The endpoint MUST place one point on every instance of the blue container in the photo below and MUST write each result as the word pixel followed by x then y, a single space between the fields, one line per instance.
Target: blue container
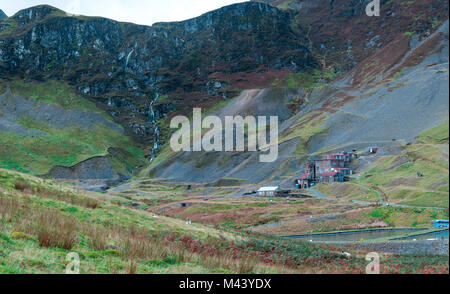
pixel 441 223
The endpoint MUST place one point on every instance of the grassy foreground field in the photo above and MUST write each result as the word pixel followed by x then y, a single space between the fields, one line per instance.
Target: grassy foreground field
pixel 42 221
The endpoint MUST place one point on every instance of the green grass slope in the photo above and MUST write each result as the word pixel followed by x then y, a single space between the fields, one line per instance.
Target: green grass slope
pixel 419 175
pixel 67 146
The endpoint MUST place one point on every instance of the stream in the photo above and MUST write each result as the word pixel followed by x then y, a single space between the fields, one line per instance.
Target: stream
pixel 152 119
pixel 151 114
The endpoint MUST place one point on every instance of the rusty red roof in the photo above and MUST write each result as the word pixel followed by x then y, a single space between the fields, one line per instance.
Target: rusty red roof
pixel 304 176
pixel 329 174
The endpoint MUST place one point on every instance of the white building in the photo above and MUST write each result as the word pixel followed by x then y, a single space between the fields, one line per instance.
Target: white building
pixel 268 191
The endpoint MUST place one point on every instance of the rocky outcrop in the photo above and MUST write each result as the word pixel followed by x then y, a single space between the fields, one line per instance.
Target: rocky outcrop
pixel 93 168
pixel 95 173
pixel 2 15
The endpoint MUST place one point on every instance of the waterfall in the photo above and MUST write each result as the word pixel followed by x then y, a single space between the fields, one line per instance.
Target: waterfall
pixel 128 58
pixel 151 118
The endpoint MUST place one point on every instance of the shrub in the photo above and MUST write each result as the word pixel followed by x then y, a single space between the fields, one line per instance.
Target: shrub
pixel 22 186
pixel 97 237
pixel 55 230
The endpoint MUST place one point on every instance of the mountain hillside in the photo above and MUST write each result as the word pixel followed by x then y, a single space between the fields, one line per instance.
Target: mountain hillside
pixel 386 105
pixel 342 35
pixel 126 67
pixel 46 127
pixel 2 15
pixel 337 79
pixel 86 166
pixel 138 75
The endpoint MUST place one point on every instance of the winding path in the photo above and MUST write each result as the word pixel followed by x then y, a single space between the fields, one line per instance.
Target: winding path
pixel 317 194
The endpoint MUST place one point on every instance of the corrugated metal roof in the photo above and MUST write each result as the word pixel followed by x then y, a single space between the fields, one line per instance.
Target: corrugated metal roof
pixel 268 189
pixel 328 174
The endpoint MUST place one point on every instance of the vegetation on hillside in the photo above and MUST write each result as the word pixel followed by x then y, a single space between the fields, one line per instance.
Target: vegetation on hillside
pixel 419 174
pixel 306 127
pixel 66 146
pixel 112 238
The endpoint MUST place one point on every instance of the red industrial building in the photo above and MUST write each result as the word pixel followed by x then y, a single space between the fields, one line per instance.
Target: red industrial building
pixel 331 168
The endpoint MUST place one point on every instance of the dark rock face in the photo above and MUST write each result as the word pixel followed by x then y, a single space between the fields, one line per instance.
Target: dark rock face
pixel 2 15
pixel 123 65
pixel 93 168
pixel 99 172
pixel 342 33
pixel 96 173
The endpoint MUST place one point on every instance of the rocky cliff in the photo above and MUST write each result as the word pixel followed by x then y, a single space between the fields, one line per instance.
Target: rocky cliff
pixel 126 67
pixel 341 34
pixel 2 15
